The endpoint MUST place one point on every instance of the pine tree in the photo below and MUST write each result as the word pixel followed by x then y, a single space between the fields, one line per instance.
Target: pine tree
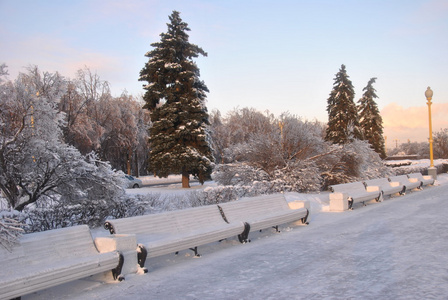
pixel 343 120
pixel 179 139
pixel 371 122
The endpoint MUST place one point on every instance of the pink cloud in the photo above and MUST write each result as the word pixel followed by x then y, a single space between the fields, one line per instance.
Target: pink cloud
pixel 411 123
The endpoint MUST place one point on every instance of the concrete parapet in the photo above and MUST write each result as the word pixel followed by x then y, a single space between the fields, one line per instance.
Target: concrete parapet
pixel 338 202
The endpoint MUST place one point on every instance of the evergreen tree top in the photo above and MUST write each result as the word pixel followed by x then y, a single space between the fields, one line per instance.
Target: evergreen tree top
pixel 177 36
pixel 367 104
pixel 170 71
pixel 342 80
pixel 343 120
pixel 370 90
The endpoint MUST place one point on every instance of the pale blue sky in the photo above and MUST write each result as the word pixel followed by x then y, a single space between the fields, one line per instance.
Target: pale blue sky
pixel 271 55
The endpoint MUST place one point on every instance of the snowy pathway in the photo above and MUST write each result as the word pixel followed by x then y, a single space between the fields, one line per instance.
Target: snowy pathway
pixel 392 250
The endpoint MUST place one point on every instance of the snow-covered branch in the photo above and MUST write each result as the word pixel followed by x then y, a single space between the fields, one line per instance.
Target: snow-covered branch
pixel 10 232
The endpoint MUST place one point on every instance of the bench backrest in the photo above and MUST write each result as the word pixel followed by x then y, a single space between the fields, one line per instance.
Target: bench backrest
pixel 154 223
pixel 403 179
pixel 47 245
pixel 353 186
pixel 171 222
pixel 254 207
pixel 197 218
pixel 378 182
pixel 417 175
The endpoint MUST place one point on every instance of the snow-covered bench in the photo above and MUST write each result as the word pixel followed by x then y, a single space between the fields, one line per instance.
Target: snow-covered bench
pixel 388 188
pixel 357 192
pixel 49 258
pixel 262 212
pixel 409 183
pixel 173 231
pixel 425 179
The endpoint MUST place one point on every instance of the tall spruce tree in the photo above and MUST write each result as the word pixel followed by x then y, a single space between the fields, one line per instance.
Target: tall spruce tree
pixel 343 120
pixel 179 139
pixel 370 119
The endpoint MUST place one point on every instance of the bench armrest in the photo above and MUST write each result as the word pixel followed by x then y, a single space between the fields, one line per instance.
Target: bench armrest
pixel 373 188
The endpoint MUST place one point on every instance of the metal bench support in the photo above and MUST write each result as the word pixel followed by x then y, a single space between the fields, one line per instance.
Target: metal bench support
pixel 116 273
pixel 244 236
pixel 141 257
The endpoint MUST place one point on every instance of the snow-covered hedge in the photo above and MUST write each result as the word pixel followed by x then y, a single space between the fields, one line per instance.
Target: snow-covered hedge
pixel 421 166
pixel 91 213
pixel 243 179
pixel 339 164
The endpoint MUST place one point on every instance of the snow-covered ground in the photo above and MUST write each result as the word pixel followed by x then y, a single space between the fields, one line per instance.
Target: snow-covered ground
pixel 396 249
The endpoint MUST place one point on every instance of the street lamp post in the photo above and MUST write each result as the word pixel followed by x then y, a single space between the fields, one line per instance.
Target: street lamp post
pixel 432 170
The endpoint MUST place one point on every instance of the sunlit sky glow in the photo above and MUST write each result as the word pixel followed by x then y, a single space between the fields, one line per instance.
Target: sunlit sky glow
pixel 271 55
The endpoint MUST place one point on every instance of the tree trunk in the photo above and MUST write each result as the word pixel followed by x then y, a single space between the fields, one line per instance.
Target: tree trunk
pixel 129 160
pixel 137 168
pixel 185 180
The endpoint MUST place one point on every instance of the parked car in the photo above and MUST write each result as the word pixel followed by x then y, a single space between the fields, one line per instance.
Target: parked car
pixel 133 182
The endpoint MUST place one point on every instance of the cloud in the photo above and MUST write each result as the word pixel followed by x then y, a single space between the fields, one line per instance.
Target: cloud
pixel 56 54
pixel 403 124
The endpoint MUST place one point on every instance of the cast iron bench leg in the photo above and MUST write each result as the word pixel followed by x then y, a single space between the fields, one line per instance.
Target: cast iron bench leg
pixel 116 273
pixel 141 257
pixel 244 236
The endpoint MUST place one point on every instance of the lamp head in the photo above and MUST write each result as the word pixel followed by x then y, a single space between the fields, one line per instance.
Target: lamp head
pixel 428 93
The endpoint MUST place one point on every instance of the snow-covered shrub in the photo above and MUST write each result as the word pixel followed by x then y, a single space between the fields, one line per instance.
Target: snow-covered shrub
pixel 351 162
pixel 261 151
pixel 92 192
pixel 334 165
pixel 441 143
pixel 299 176
pixel 370 164
pixel 135 205
pixel 213 195
pixel 238 174
pixel 10 229
pixel 338 166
